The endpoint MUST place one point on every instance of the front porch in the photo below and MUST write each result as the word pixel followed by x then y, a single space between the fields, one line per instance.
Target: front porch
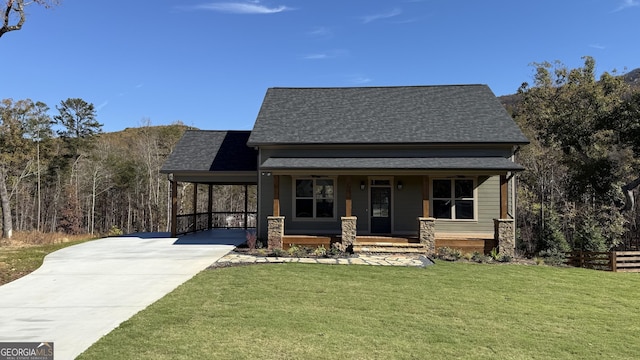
pixel 355 234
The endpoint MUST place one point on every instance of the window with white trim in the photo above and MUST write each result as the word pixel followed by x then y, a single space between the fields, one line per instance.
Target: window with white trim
pixel 453 199
pixel 314 198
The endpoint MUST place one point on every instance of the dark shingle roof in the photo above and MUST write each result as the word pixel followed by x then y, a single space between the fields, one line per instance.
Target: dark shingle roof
pixel 384 115
pixel 200 150
pixel 432 163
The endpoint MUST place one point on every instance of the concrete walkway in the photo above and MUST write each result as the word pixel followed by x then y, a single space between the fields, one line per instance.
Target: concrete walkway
pixel 84 291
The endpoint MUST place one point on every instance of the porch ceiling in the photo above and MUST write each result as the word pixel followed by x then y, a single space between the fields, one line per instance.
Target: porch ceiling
pixel 422 163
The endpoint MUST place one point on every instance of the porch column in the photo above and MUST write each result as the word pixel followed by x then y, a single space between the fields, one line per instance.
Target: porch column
pixel 276 195
pixel 348 202
pixel 503 196
pixel 504 234
pixel 425 196
pixel 275 232
pixel 349 225
pixel 174 207
pixel 427 234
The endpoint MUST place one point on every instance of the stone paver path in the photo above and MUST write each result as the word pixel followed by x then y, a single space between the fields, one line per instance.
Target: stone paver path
pixel 361 259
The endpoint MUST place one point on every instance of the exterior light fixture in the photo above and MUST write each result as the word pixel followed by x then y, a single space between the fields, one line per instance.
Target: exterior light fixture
pixel 362 185
pixel 399 185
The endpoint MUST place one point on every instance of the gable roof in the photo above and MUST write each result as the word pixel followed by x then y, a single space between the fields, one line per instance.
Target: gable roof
pixel 384 115
pixel 203 150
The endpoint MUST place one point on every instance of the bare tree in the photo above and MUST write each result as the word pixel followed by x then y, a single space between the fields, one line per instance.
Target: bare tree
pixel 13 13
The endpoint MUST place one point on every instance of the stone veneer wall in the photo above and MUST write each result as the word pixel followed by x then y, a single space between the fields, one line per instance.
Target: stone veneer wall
pixel 427 234
pixel 348 232
pixel 275 225
pixel 504 235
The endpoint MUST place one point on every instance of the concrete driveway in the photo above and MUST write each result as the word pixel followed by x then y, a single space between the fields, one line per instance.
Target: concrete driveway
pixel 84 291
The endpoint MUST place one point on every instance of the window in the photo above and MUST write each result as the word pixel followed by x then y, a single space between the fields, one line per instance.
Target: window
pixel 314 198
pixel 453 199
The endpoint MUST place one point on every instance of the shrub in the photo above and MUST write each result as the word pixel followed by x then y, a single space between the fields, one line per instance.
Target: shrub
pixel 480 258
pixel 115 231
pixel 496 256
pixel 251 239
pixel 278 253
pixel 320 251
pixel 449 254
pixel 553 257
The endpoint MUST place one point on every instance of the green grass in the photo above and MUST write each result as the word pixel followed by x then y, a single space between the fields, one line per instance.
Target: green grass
pixel 451 310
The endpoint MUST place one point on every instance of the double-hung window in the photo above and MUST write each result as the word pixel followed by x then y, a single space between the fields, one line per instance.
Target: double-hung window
pixel 453 199
pixel 314 198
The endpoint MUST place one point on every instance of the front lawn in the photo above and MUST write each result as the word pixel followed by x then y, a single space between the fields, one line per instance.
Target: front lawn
pixel 450 310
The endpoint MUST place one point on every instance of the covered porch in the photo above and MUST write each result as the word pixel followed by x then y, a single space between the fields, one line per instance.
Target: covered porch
pixel 395 210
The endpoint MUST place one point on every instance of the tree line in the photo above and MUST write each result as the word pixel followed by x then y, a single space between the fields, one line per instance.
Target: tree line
pixel 582 164
pixel 62 173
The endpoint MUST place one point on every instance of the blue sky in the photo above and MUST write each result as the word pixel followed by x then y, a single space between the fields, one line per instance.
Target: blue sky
pixel 208 63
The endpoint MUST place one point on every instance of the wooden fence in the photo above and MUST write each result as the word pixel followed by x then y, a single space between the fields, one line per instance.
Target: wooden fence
pixel 616 261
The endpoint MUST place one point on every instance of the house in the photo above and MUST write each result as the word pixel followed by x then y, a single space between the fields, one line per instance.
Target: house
pixel 429 163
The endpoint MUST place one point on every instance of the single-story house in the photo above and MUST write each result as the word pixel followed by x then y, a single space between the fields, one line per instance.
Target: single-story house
pixel 370 165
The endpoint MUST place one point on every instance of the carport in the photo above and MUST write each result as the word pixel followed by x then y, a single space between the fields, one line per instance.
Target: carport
pixel 205 168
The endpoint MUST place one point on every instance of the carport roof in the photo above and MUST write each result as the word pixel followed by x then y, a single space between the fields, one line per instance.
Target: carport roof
pixel 221 152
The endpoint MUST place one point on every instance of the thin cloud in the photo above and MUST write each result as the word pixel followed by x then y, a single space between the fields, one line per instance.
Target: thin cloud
pixel 101 106
pixel 241 8
pixel 326 55
pixel 627 4
pixel 318 56
pixel 320 31
pixel 597 46
pixel 370 18
pixel 359 79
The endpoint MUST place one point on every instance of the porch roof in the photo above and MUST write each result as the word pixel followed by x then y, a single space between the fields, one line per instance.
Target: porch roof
pixel 420 163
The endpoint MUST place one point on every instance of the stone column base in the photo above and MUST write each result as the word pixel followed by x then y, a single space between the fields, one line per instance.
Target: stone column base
pixel 349 231
pixel 427 234
pixel 504 234
pixel 275 232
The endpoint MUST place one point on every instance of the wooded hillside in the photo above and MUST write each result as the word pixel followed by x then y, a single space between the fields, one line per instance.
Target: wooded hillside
pixel 80 180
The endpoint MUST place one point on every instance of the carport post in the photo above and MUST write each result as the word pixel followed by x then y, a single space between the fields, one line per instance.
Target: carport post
pixel 195 204
pixel 246 205
pixel 210 208
pixel 174 206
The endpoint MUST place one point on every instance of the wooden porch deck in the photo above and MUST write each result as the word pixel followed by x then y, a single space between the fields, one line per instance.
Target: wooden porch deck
pixel 467 243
